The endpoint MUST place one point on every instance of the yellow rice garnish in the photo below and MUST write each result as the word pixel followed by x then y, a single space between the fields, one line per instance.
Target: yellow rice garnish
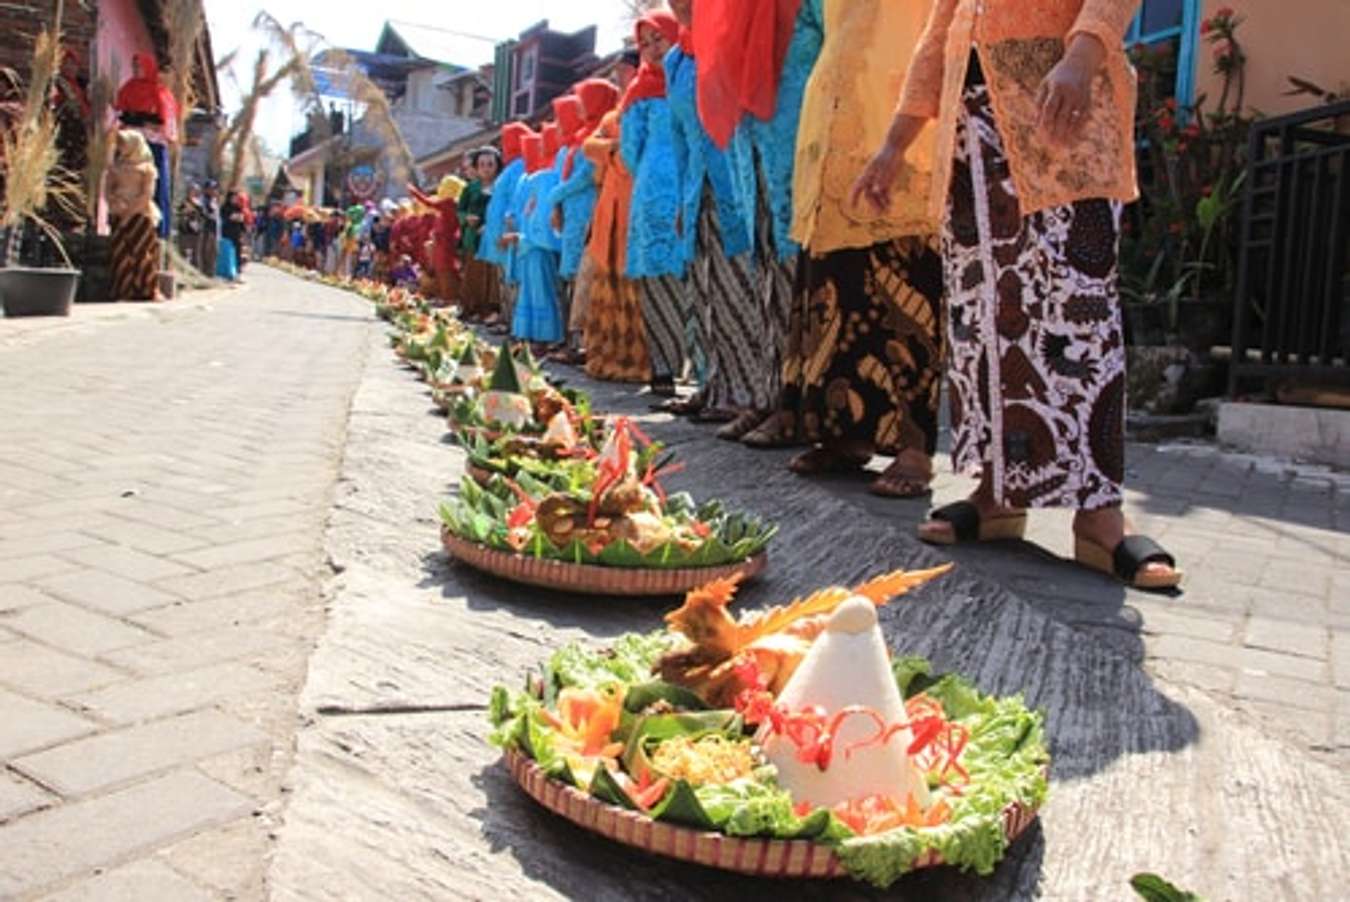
pixel 710 759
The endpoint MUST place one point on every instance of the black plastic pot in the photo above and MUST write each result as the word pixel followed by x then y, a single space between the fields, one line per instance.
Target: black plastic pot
pixel 26 291
pixel 1202 325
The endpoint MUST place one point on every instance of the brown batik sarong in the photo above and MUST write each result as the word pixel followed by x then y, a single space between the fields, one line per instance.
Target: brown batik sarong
pixel 863 361
pixel 615 337
pixel 478 289
pixel 134 249
pixel 1037 359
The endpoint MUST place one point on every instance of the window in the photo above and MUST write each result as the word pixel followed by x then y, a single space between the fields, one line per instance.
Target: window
pixel 525 73
pixel 1171 26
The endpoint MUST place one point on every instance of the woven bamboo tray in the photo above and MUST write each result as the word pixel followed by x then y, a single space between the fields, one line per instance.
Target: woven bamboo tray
pixel 590 579
pixel 756 857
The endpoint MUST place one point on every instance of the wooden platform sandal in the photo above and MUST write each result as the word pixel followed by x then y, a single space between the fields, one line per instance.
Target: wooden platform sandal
pixel 968 526
pixel 1127 561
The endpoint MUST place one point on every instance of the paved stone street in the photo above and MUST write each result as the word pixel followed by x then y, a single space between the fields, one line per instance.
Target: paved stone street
pixel 165 475
pixel 165 481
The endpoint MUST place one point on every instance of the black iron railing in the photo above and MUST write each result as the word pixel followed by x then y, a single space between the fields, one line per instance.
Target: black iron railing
pixel 1292 318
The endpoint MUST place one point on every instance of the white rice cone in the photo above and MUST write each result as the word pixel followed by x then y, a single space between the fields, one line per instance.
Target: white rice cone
pixel 848 665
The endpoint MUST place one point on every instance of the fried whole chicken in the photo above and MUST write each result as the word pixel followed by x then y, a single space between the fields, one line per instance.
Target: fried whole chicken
pixel 775 640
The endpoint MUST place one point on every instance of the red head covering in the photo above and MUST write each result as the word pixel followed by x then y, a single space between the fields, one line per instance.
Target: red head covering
pixel 532 148
pixel 567 110
pixel 512 132
pixel 650 80
pixel 552 136
pixel 597 97
pixel 146 95
pixel 740 46
pixel 686 41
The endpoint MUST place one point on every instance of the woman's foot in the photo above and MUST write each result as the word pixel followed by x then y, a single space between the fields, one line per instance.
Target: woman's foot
pixel 908 476
pixel 990 520
pixel 1102 541
pixel 824 459
pixel 737 428
pixel 708 414
pixel 777 430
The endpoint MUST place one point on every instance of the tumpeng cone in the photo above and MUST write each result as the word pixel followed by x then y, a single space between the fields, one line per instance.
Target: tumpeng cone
pixel 848 665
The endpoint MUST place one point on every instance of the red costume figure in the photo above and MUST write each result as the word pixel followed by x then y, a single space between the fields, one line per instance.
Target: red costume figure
pixel 552 136
pixel 402 234
pixel 597 98
pixel 444 233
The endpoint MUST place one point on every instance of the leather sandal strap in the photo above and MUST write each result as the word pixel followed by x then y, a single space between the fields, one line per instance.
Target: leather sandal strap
pixel 1134 552
pixel 964 517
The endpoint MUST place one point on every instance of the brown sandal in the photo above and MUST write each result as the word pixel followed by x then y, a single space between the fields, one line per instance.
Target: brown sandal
pixel 897 481
pixel 821 460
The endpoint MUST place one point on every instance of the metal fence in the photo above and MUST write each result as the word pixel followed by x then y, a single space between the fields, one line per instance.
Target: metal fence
pixel 1292 319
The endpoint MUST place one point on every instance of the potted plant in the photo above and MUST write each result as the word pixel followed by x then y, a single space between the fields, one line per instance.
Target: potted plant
pixel 35 183
pixel 1178 249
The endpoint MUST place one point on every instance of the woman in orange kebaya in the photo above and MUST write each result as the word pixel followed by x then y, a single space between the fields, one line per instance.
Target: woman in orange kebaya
pixel 1034 104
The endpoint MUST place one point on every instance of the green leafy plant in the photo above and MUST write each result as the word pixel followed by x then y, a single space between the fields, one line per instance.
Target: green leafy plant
pixel 1153 888
pixel 1180 243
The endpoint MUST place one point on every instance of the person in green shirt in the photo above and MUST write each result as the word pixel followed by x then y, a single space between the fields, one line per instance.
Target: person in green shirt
pixel 479 295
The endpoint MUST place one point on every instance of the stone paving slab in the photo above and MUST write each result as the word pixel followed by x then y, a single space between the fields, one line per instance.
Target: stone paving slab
pixel 154 620
pixel 135 882
pixel 1149 774
pixel 19 796
pixel 79 837
pixel 31 725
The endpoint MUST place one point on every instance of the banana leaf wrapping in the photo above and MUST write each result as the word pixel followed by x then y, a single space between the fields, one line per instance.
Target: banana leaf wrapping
pixel 480 512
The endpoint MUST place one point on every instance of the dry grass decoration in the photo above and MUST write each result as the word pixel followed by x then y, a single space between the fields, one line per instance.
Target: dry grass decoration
pixel 35 179
pixel 236 140
pixel 184 21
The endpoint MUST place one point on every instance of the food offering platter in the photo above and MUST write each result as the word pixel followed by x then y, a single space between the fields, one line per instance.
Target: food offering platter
pixel 788 742
pixel 590 579
pixel 801 858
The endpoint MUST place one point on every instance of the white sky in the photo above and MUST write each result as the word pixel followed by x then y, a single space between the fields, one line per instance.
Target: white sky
pixel 357 24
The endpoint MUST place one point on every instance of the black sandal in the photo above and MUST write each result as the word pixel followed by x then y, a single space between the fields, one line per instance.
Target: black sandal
pixel 1126 562
pixel 968 526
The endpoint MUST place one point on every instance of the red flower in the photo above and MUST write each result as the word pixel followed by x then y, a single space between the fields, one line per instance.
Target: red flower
pixel 1224 13
pixel 1206 191
pixel 1206 26
pixel 1170 103
pixel 1191 131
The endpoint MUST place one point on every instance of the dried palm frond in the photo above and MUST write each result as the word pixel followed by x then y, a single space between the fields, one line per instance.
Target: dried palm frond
pixel 184 21
pixel 295 44
pixel 102 90
pixel 35 180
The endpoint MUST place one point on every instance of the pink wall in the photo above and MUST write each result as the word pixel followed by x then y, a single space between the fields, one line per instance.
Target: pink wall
pixel 121 32
pixel 1306 39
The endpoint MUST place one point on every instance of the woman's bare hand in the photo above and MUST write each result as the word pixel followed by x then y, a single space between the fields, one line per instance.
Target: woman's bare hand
pixel 1065 95
pixel 878 178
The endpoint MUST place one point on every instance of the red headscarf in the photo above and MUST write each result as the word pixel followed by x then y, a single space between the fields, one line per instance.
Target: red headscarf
pixel 552 136
pixel 597 97
pixel 740 46
pixel 532 148
pixel 512 132
pixel 650 80
pixel 567 112
pixel 146 95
